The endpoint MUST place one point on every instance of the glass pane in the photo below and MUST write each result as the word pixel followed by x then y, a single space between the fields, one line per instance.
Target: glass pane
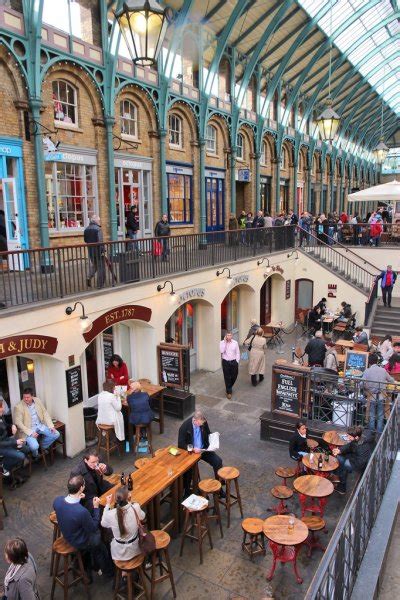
pixel 10 209
pixel 190 324
pixel 179 325
pixel 26 374
pixel 234 309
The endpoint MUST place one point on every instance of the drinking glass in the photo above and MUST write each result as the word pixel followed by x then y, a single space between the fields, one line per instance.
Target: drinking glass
pixel 190 448
pixel 291 522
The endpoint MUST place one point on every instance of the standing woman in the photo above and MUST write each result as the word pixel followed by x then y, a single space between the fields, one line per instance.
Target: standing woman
pixel 257 344
pixel 20 579
pixel 123 520
pixel 117 371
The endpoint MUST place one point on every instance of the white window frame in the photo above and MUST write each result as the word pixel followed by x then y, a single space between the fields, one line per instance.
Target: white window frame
pixel 264 152
pixel 129 108
pixel 239 146
pixel 175 129
pixel 211 139
pixel 283 160
pixel 74 103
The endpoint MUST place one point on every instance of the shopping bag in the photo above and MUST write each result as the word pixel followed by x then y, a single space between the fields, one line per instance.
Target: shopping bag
pixel 244 355
pixel 157 248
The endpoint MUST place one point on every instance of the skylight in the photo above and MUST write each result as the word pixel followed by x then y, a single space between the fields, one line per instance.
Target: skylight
pixel 383 27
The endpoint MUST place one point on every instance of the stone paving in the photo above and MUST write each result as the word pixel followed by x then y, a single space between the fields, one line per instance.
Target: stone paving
pixel 226 572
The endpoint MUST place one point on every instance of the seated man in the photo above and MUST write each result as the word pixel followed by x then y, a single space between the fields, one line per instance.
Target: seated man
pixel 314 319
pixel 355 455
pixel 80 528
pixel 92 471
pixel 33 423
pixel 322 306
pixel 13 450
pixel 345 312
pixel 195 431
pixel 360 336
pixel 316 350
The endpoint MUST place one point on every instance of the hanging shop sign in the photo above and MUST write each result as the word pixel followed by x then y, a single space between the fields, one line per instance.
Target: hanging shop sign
pixel 240 279
pixel 332 290
pixel 174 365
pixel 116 315
pixel 27 344
pixel 190 294
pixel 288 288
pixel 243 175
pixel 179 170
pixel 215 174
pixel 74 386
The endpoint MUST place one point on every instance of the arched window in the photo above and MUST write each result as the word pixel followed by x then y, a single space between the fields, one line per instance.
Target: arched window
pixel 283 159
pixel 239 146
pixel 211 139
pixel 128 118
pixel 263 157
pixel 65 102
pixel 175 131
pixel 314 166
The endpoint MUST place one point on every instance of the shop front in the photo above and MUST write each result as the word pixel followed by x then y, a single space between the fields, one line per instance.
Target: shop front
pixel 133 189
pixel 266 194
pixel 13 218
pixel 215 199
pixel 182 328
pixel 180 194
pixel 265 302
pixel 284 196
pixel 71 189
pixel 243 191
pixel 230 314
pixel 300 197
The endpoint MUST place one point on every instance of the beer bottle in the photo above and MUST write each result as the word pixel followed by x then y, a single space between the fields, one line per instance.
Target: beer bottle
pixel 130 482
pixel 123 479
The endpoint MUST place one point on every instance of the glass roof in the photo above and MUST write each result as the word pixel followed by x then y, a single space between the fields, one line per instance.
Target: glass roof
pixel 371 43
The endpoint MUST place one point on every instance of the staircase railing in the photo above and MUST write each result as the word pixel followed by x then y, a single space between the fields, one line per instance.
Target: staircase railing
pixel 332 242
pixel 337 261
pixel 369 304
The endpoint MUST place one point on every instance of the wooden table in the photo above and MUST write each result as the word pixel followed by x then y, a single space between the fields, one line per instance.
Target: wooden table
pixel 326 468
pixel 314 487
pixel 334 440
pixel 151 480
pixel 285 543
pixel 345 344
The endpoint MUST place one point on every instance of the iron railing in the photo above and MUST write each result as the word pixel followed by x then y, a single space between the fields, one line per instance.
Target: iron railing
pixel 369 304
pixel 31 276
pixel 362 234
pixel 337 571
pixel 338 262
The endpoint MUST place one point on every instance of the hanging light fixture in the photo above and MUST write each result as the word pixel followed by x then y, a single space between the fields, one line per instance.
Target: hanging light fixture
pixel 380 152
pixel 328 122
pixel 84 322
pixel 143 24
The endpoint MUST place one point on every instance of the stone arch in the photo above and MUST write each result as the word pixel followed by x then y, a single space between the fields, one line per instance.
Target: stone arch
pixel 12 89
pixel 82 72
pixel 187 114
pixel 248 136
pixel 146 117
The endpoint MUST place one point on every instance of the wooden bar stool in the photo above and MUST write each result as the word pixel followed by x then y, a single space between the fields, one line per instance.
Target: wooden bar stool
pixel 107 440
pixel 286 473
pixel 138 432
pixel 208 487
pixel 62 549
pixel 141 462
pixel 130 566
pixel 196 520
pixel 253 527
pixel 314 523
pixel 229 474
pixel 56 535
pixel 162 542
pixel 281 492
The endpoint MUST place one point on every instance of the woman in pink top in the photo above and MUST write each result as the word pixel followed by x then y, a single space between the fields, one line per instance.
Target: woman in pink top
pixel 393 365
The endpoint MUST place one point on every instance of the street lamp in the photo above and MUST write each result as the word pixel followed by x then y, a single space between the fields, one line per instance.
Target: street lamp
pixel 380 152
pixel 84 321
pixel 328 122
pixel 143 24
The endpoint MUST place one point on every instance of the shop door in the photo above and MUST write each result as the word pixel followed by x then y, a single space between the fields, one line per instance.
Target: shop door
pixel 265 303
pixel 133 189
pixel 8 203
pixel 230 315
pixel 304 296
pixel 181 327
pixel 215 204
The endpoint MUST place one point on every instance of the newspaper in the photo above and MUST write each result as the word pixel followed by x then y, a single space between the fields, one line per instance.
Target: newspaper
pixel 194 502
pixel 213 442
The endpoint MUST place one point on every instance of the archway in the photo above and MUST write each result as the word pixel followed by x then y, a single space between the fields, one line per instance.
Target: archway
pixel 304 296
pixel 237 311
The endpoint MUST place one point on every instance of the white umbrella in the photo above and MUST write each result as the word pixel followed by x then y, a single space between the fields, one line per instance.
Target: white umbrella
pixel 387 192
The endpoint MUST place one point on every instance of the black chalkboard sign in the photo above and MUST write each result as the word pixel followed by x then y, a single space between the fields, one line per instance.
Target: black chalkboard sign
pixel 174 365
pixel 74 386
pixel 108 349
pixel 170 366
pixel 287 390
pixel 355 363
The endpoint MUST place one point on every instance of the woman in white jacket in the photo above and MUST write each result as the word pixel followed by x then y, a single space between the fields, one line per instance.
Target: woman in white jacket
pixel 109 410
pixel 123 520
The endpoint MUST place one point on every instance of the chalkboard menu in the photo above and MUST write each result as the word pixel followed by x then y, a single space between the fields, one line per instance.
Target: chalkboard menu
pixel 174 365
pixel 74 386
pixel 287 390
pixel 355 363
pixel 108 349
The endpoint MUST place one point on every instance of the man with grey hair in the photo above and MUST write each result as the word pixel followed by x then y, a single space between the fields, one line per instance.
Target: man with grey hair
pixel 196 432
pixel 94 235
pixel 316 350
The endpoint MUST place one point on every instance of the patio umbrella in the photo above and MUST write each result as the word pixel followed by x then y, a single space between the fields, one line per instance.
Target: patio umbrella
pixel 387 192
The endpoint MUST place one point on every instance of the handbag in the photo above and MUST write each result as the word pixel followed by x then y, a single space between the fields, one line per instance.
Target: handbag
pixel 147 541
pixel 244 355
pixel 251 342
pixel 157 248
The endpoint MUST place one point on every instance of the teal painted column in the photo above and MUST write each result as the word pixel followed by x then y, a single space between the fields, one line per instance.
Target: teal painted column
pixel 202 164
pixel 163 172
pixel 233 181
pixel 331 205
pixel 257 157
pixel 35 106
pixel 109 123
pixel 295 206
pixel 307 198
pixel 277 185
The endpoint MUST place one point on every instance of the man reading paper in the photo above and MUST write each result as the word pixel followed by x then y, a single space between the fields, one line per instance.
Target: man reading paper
pixel 196 432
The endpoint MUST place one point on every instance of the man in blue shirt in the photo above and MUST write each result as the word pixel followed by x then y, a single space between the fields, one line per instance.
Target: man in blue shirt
pixel 81 529
pixel 196 432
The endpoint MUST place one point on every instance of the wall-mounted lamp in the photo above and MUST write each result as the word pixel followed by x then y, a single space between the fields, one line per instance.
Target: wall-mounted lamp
pixel 229 276
pixel 291 254
pixel 161 287
pixel 85 323
pixel 30 366
pixel 260 262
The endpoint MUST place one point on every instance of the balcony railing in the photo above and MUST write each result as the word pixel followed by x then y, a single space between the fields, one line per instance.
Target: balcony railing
pixel 364 234
pixel 32 276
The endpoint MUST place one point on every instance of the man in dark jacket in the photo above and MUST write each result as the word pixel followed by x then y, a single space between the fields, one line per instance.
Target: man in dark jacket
pixel 13 451
pixel 316 350
pixel 345 313
pixel 163 230
pixel 132 223
pixel 388 279
pixel 355 455
pixel 80 528
pixel 92 471
pixel 196 432
pixel 94 235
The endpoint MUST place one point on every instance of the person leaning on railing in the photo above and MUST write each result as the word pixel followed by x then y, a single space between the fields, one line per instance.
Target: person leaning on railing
pixel 374 380
pixel 355 455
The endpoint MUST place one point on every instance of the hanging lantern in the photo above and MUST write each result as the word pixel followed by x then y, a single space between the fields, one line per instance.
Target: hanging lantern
pixel 380 152
pixel 143 24
pixel 328 123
